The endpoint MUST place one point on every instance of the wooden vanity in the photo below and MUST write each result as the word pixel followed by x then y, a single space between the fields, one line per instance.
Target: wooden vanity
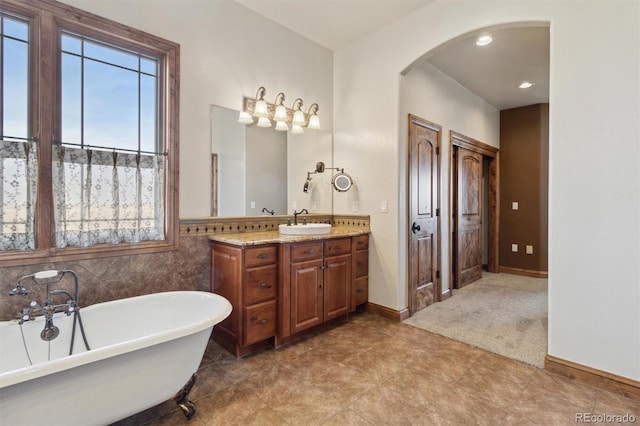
pixel 283 287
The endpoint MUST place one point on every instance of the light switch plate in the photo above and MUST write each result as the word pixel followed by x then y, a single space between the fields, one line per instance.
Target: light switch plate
pixel 514 205
pixel 514 248
pixel 529 249
pixel 384 207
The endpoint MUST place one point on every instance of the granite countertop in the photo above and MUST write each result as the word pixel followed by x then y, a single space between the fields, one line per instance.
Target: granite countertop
pixel 270 237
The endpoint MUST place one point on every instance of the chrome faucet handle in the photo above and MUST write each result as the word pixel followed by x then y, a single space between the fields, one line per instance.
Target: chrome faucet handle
pixel 19 290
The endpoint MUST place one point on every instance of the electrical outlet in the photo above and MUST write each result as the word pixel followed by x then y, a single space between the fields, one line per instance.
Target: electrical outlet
pixel 253 204
pixel 529 249
pixel 514 248
pixel 514 205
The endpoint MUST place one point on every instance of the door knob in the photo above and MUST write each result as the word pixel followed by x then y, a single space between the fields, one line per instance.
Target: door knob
pixel 415 227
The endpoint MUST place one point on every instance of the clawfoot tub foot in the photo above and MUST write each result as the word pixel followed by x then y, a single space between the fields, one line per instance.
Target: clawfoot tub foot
pixel 186 405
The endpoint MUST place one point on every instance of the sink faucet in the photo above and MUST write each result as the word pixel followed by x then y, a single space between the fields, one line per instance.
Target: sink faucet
pixel 295 215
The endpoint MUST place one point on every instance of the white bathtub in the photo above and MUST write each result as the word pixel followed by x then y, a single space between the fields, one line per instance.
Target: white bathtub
pixel 143 351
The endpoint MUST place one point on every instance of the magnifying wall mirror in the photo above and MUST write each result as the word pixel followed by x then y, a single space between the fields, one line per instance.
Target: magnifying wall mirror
pixel 342 182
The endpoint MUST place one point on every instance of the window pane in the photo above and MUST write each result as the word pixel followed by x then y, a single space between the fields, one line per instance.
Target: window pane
pixel 16 29
pixel 15 87
pixel 148 114
pixel 110 55
pixel 71 99
pixel 149 66
pixel 111 106
pixel 71 44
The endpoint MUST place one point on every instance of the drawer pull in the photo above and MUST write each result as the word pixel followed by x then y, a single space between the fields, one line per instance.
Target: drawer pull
pixel 263 256
pixel 264 285
pixel 262 321
pixel 310 251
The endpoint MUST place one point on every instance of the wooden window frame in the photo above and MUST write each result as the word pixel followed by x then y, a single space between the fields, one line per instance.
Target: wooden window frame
pixel 47 19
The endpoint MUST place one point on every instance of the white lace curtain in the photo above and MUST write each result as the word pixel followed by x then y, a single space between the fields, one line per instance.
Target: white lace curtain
pixel 106 197
pixel 18 181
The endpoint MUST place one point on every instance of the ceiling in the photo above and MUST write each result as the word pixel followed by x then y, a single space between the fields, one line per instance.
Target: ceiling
pixel 491 72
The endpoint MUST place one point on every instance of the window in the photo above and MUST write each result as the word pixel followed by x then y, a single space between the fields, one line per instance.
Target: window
pixel 18 160
pixel 101 180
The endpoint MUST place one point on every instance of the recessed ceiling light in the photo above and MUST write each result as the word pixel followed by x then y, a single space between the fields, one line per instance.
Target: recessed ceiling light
pixel 525 85
pixel 484 40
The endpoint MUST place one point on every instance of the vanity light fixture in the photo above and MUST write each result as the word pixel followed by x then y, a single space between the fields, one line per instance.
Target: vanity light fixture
pixel 283 116
pixel 484 40
pixel 525 85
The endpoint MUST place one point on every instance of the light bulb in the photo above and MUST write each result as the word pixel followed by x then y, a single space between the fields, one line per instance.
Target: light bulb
pixel 261 109
pixel 264 122
pixel 314 122
pixel 245 118
pixel 282 126
pixel 280 114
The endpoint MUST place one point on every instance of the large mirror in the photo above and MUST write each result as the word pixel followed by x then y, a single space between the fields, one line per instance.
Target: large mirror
pixel 259 171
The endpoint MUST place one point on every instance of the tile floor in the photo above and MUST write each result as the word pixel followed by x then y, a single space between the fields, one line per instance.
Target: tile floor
pixel 372 371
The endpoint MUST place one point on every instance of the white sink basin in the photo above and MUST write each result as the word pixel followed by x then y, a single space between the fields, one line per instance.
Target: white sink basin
pixel 308 229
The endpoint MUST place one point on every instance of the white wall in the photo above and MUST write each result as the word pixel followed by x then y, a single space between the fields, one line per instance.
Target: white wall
pixel 428 93
pixel 594 199
pixel 226 52
pixel 304 151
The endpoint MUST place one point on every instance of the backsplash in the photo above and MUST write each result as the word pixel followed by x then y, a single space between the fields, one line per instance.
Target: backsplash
pixel 118 277
pixel 230 225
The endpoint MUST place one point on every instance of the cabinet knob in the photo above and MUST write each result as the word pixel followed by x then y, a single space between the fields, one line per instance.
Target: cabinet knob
pixel 263 321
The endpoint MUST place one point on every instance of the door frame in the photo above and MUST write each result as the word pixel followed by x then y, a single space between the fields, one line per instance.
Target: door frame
pixel 438 279
pixel 493 209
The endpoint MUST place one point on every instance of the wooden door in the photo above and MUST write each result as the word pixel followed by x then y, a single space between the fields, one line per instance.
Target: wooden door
pixel 468 217
pixel 424 147
pixel 306 294
pixel 337 274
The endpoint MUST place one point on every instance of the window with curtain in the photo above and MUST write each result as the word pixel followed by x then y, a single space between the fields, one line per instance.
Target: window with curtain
pixel 108 168
pixel 88 125
pixel 18 152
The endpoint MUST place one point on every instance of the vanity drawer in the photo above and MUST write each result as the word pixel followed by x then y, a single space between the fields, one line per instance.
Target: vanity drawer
pixel 260 322
pixel 305 251
pixel 336 247
pixel 362 263
pixel 260 284
pixel 362 290
pixel 260 255
pixel 361 242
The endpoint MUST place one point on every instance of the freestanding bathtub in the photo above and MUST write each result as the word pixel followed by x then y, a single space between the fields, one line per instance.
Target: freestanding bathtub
pixel 143 351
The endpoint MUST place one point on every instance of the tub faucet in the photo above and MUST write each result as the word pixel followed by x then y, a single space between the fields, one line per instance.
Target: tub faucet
pixel 295 215
pixel 50 308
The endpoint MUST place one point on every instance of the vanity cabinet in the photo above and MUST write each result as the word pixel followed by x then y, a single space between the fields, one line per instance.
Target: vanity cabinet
pixel 248 278
pixel 316 284
pixel 282 290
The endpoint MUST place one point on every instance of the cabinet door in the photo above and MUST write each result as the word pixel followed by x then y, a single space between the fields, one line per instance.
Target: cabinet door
pixel 337 276
pixel 306 294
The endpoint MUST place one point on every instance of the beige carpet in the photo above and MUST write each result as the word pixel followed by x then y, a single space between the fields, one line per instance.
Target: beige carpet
pixel 501 313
